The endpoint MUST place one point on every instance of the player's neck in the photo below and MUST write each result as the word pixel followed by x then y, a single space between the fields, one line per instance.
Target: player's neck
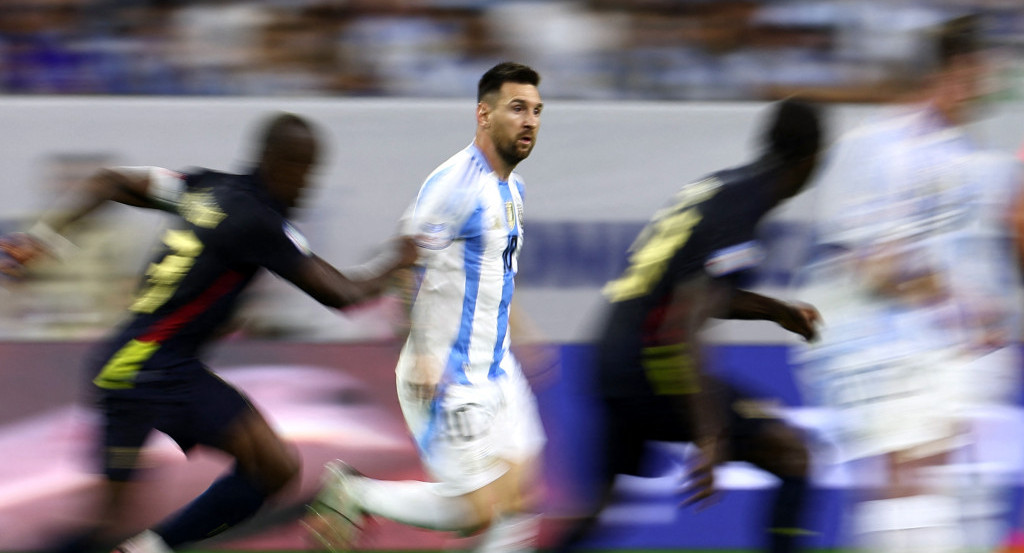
pixel 490 153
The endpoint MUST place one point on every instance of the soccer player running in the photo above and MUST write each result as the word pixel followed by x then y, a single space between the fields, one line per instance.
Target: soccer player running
pixel 686 267
pixel 919 272
pixel 149 375
pixel 464 396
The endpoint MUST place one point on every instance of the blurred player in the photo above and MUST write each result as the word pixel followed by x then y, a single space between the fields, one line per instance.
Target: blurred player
pixel 149 375
pixel 686 267
pixel 918 278
pixel 464 396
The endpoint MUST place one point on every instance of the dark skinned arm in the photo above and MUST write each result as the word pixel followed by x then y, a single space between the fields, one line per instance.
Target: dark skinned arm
pixel 798 318
pixel 329 286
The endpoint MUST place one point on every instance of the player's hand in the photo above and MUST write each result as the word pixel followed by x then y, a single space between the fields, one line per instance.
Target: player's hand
pixel 422 381
pixel 698 488
pixel 17 251
pixel 539 361
pixel 800 318
pixel 407 252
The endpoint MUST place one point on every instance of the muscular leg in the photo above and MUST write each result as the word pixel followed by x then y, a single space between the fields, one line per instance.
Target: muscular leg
pixel 469 495
pixel 780 449
pixel 512 503
pixel 263 466
pixel 424 505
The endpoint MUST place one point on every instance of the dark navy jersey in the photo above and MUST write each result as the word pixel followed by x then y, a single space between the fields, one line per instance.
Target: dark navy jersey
pixel 707 228
pixel 228 228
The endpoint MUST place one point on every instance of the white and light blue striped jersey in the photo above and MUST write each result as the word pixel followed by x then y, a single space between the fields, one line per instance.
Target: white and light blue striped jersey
pixel 470 229
pixel 896 186
pixel 982 252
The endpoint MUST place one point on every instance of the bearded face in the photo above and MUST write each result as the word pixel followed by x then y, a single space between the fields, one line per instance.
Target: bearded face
pixel 513 121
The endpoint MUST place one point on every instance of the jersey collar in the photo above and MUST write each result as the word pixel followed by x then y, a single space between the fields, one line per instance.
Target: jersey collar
pixel 260 188
pixel 479 157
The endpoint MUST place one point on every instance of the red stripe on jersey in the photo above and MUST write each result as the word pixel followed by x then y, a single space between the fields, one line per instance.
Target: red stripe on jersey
pixel 166 327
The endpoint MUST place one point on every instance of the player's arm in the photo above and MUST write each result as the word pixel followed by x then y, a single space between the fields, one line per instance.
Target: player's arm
pixel 537 357
pixel 150 187
pixel 132 186
pixel 693 302
pixel 329 286
pixel 799 318
pixel 435 220
pixel 901 270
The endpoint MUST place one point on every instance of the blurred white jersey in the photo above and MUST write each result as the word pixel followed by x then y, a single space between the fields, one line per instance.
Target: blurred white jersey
pixel 470 226
pixel 919 196
pixel 898 187
pixel 981 253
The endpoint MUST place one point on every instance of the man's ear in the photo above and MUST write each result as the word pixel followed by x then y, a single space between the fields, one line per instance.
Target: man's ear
pixel 483 114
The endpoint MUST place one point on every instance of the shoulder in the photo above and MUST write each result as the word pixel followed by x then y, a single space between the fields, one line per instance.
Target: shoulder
pixel 463 167
pixel 703 190
pixel 880 131
pixel 232 199
pixel 226 187
pixel 458 178
pixel 237 193
pixel 208 178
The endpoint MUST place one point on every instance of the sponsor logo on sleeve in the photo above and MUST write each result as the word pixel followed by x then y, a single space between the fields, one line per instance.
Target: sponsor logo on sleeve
pixel 434 236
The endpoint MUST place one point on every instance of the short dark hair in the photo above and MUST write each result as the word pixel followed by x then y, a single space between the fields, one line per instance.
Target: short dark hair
pixel 505 72
pixel 276 126
pixel 794 129
pixel 957 37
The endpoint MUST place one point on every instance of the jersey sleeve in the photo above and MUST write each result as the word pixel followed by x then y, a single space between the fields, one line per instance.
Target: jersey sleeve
pixel 165 185
pixel 439 214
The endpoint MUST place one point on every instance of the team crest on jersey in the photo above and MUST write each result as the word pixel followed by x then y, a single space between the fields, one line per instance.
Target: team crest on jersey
pixel 510 214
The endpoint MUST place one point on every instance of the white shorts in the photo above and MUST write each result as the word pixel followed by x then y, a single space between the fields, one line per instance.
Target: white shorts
pixel 471 435
pixel 910 404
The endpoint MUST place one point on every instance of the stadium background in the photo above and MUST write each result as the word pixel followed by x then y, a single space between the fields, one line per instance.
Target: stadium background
pixel 326 379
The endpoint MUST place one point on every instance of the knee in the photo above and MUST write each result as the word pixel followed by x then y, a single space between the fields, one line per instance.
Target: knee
pixel 281 471
pixel 797 461
pixel 261 455
pixel 782 452
pixel 271 470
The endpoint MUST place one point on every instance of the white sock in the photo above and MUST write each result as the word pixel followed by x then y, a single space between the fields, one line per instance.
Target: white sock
pixel 146 542
pixel 937 527
pixel 415 503
pixel 876 526
pixel 917 524
pixel 511 533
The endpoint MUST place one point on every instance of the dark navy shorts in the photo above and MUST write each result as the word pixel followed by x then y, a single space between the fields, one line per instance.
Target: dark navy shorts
pixel 194 409
pixel 631 421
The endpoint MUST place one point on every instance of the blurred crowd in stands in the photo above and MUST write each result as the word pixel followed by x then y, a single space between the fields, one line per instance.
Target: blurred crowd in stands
pixel 592 49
